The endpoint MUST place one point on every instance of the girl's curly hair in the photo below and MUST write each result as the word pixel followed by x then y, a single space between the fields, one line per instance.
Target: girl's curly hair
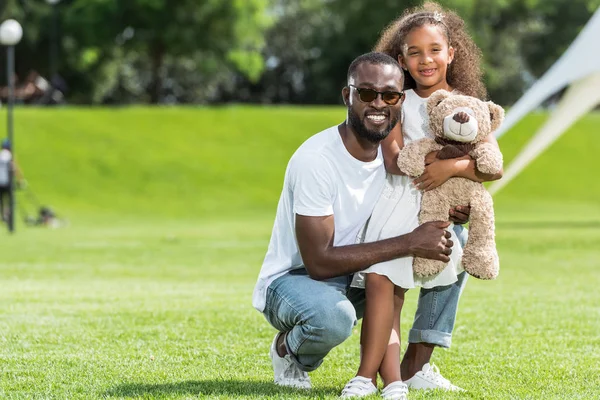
pixel 464 73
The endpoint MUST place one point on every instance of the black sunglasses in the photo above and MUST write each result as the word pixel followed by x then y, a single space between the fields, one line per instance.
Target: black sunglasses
pixel 369 95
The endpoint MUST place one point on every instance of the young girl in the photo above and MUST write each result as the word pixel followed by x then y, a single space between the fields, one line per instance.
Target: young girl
pixel 435 52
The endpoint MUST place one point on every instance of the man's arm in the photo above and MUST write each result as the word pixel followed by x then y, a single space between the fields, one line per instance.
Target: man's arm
pixel 323 260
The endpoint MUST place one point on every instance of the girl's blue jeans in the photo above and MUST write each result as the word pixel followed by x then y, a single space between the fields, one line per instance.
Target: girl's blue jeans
pixel 320 315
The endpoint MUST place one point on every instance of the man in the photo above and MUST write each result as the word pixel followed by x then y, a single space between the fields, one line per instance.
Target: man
pixel 5 178
pixel 331 185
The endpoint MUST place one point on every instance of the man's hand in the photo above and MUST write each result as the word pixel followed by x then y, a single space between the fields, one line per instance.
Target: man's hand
pixel 432 240
pixel 460 214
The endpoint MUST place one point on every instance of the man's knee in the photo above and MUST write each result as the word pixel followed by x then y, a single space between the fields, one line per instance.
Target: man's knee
pixel 337 322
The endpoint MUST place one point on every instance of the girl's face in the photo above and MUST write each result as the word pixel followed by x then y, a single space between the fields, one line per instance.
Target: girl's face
pixel 426 56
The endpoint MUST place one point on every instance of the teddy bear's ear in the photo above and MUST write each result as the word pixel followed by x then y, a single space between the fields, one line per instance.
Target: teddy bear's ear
pixel 496 115
pixel 436 98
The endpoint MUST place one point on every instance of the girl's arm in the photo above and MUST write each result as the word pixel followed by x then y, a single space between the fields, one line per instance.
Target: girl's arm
pixel 440 171
pixel 390 147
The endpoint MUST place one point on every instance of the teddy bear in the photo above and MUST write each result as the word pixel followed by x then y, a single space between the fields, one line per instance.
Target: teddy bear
pixel 459 124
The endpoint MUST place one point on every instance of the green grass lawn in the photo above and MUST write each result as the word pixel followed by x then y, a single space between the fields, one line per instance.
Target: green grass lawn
pixel 147 292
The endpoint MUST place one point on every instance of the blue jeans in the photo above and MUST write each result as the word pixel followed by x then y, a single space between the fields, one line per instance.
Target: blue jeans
pixel 436 310
pixel 319 315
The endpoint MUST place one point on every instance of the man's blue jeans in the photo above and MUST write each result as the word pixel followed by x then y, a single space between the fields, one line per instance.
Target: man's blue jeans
pixel 320 315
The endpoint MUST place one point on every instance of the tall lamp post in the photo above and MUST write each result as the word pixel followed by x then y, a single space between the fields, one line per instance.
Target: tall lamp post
pixel 11 34
pixel 53 39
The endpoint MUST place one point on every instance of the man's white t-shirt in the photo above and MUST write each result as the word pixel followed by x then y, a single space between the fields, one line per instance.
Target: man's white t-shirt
pixel 322 178
pixel 5 157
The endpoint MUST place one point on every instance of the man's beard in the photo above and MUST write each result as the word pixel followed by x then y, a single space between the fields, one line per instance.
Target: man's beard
pixel 362 131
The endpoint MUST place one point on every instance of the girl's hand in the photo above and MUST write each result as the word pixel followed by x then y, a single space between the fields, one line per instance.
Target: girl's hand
pixel 435 174
pixel 431 157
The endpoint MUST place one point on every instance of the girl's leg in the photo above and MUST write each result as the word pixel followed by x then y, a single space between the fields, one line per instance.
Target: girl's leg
pixel 390 366
pixel 377 324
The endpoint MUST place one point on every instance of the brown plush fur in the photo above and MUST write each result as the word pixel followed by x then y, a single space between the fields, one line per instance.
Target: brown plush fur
pixel 480 257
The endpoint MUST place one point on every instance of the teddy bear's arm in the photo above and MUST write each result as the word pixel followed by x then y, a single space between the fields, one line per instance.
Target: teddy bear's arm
pixel 411 159
pixel 488 158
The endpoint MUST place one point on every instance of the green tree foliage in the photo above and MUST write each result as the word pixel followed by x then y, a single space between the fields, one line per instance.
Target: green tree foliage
pixel 288 53
pixel 154 42
pixel 354 28
pixel 268 51
pixel 144 50
pixel 33 50
pixel 519 39
pixel 311 45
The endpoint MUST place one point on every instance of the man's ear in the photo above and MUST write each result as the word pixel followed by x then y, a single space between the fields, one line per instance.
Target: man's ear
pixel 346 95
pixel 496 115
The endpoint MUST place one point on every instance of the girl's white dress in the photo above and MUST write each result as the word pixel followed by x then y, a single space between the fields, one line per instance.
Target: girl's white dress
pixel 396 213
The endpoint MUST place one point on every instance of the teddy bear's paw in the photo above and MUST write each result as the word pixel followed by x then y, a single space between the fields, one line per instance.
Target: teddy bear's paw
pixel 410 167
pixel 481 263
pixel 488 159
pixel 424 267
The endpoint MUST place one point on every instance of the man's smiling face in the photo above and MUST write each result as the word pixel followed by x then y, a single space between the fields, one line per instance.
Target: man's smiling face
pixel 374 120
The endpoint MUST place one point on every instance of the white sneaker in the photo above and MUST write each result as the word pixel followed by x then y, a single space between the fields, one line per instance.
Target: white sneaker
pixel 287 373
pixel 430 378
pixel 395 391
pixel 359 386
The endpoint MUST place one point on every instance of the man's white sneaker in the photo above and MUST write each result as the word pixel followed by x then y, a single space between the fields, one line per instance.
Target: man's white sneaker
pixel 287 373
pixel 359 386
pixel 430 378
pixel 395 391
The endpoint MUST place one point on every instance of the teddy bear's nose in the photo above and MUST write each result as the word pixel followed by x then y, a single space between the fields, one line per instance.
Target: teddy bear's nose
pixel 461 117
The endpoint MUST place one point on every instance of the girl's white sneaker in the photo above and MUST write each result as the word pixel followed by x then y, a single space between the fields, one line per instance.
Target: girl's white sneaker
pixel 430 378
pixel 359 386
pixel 395 391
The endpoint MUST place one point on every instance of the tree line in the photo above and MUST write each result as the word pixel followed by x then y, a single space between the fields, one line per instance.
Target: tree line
pixel 262 51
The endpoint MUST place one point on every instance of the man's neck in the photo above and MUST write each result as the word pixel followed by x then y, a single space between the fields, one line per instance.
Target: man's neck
pixel 359 148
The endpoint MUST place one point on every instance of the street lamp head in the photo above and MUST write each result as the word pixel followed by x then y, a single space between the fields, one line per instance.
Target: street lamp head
pixel 10 32
pixel 52 2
